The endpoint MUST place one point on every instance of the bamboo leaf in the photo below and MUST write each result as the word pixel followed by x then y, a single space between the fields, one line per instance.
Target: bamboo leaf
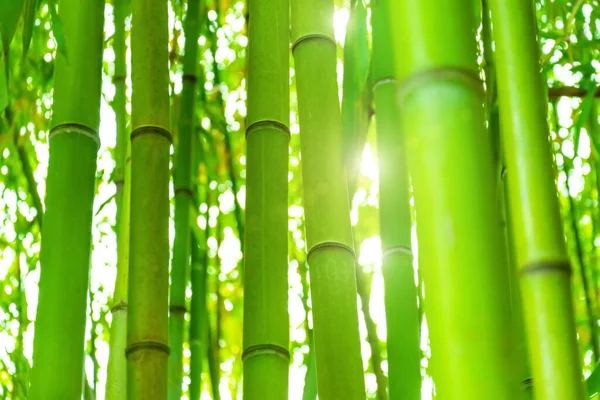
pixel 28 20
pixel 586 108
pixel 9 19
pixel 58 29
pixel 3 86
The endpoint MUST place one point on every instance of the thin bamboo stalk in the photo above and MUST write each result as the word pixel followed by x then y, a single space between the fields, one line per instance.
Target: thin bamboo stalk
pixel 329 236
pixel 540 251
pixel 147 322
pixel 402 311
pixel 450 158
pixel 183 199
pixel 116 378
pixel 58 349
pixel 266 323
pixel 493 115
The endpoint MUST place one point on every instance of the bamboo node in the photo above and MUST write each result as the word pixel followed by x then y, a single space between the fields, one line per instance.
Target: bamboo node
pixel 265 349
pixel 563 266
pixel 118 78
pixel 266 124
pixel 177 308
pixel 120 306
pixel 184 190
pixel 446 74
pixel 192 78
pixel 147 345
pixel 395 250
pixel 329 244
pixel 384 81
pixel 74 128
pixel 313 36
pixel 151 130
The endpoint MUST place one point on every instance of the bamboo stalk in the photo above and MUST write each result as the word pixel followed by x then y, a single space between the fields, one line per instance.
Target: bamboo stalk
pixel 449 155
pixel 502 196
pixel 573 218
pixel 540 250
pixel 266 355
pixel 402 311
pixel 58 349
pixel 147 323
pixel 116 377
pixel 329 235
pixel 183 199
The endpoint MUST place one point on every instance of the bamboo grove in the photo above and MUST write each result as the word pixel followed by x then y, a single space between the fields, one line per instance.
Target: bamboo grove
pixel 285 199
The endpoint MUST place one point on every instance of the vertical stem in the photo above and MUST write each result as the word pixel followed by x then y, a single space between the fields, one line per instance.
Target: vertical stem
pixel 116 378
pixel 540 251
pixel 183 199
pixel 402 311
pixel 573 219
pixel 58 349
pixel 449 154
pixel 147 323
pixel 331 254
pixel 266 354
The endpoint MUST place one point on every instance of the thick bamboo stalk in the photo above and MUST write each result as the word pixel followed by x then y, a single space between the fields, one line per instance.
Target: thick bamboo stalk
pixel 461 249
pixel 183 199
pixel 540 250
pixel 330 247
pixel 58 350
pixel 266 323
pixel 147 322
pixel 402 311
pixel 116 378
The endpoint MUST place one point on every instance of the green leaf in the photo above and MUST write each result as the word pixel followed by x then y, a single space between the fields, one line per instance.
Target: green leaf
pixel 28 20
pixel 9 19
pixel 58 29
pixel 586 108
pixel 3 86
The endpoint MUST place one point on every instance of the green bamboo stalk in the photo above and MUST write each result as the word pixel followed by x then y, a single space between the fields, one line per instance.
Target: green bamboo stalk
pixel 329 235
pixel 573 218
pixel 198 321
pixel 183 199
pixel 266 355
pixel 58 349
pixel 461 249
pixel 147 320
pixel 116 376
pixel 402 311
pixel 540 250
pixel 502 195
pixel 310 380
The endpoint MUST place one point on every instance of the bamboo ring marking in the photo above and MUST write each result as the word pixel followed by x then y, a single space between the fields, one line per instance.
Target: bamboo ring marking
pixel 74 128
pixel 313 36
pixel 463 75
pixel 151 130
pixel 148 345
pixel 397 249
pixel 330 244
pixel 266 124
pixel 263 349
pixel 546 266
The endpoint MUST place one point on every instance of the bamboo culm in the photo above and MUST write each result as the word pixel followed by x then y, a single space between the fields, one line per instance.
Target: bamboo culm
pixel 331 254
pixel 66 238
pixel 147 323
pixel 183 199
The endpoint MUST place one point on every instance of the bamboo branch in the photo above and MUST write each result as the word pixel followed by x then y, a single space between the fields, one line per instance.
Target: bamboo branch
pixel 569 91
